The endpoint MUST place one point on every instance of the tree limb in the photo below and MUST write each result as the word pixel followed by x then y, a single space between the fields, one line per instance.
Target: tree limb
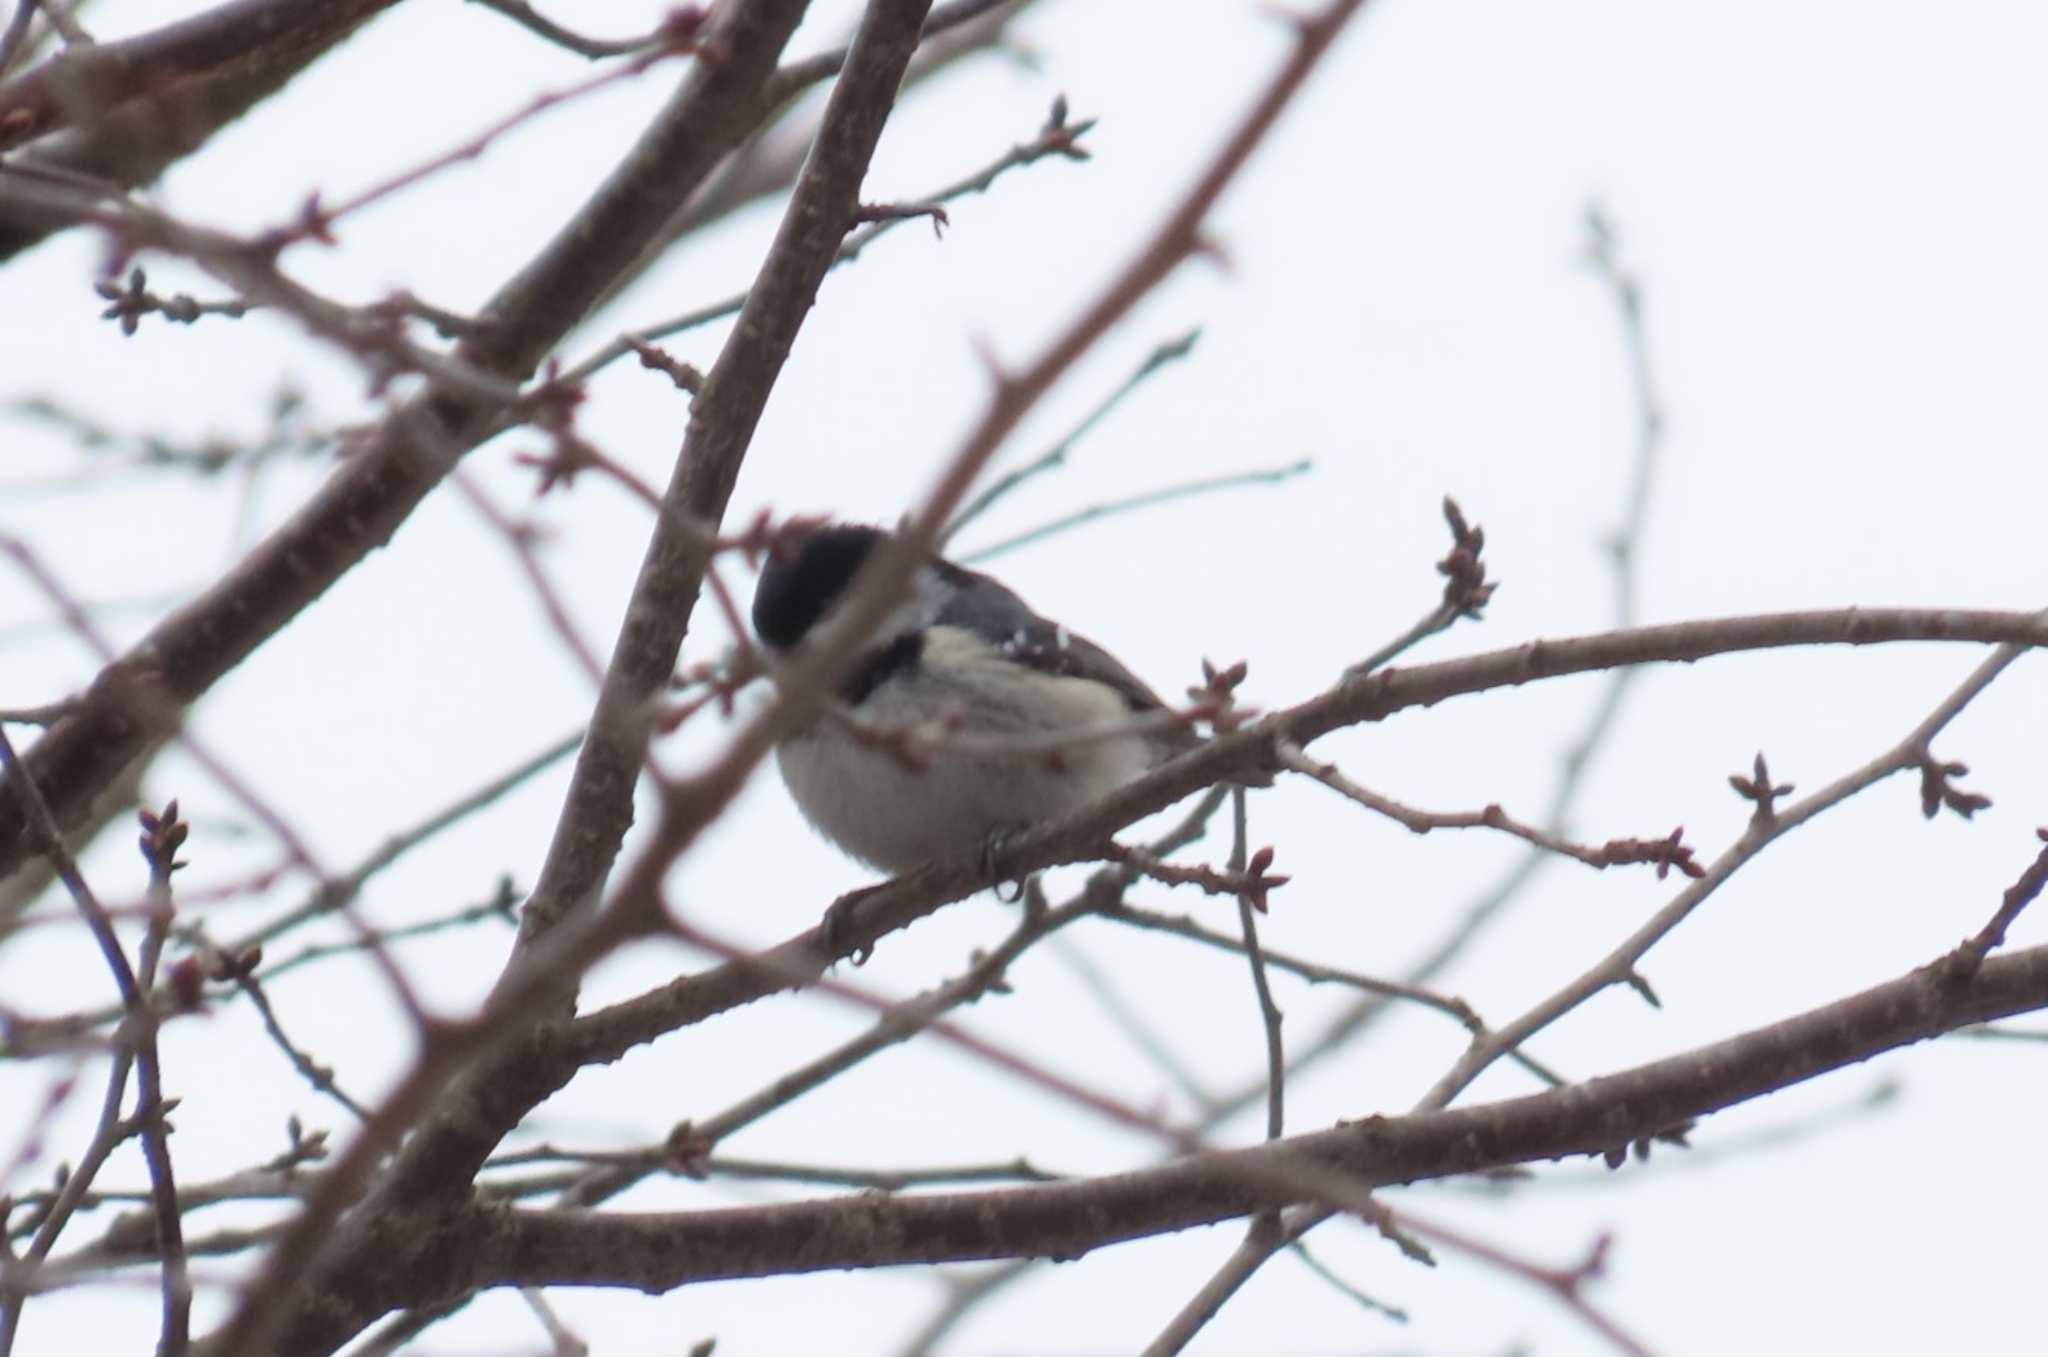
pixel 659 1251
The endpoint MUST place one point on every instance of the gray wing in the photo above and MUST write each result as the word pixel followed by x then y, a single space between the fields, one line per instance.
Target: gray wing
pixel 991 610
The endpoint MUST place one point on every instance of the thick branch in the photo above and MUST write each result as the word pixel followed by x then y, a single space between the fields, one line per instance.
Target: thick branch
pixel 83 84
pixel 1064 1220
pixel 198 75
pixel 337 1300
pixel 610 1032
pixel 722 422
pixel 141 695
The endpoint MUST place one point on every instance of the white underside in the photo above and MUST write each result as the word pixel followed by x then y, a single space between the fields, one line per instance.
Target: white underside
pixel 871 803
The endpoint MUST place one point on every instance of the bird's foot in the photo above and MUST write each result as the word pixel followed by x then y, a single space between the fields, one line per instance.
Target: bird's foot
pixel 836 928
pixel 1008 885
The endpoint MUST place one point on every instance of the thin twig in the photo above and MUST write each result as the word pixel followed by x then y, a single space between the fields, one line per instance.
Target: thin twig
pixel 316 221
pixel 109 1133
pixel 798 76
pixel 1466 592
pixel 531 19
pixel 1566 1285
pixel 278 1179
pixel 1990 1033
pixel 565 1343
pixel 897 1023
pixel 1057 138
pixel 1625 546
pixel 1126 1018
pixel 1618 967
pixel 1330 1275
pixel 520 538
pixel 129 301
pixel 1971 952
pixel 900 1022
pixel 1665 853
pixel 963 1294
pixel 1270 1234
pixel 162 835
pixel 436 1163
pixel 318 1075
pixel 664 1156
pixel 369 334
pixel 342 890
pixel 503 906
pixel 1269 1012
pixel 1318 973
pixel 1236 480
pixel 1080 836
pixel 48 714
pixel 396 1334
pixel 1603 255
pixel 147 703
pixel 769 164
pixel 141 1037
pixel 1165 353
pixel 402 460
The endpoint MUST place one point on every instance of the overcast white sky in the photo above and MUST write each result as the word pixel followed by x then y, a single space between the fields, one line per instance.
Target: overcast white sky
pixel 1837 212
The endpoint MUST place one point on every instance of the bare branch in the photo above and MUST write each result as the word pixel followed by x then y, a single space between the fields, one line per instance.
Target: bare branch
pixel 160 844
pixel 1319 973
pixel 600 799
pixel 46 715
pixel 1250 904
pixel 533 21
pixel 1057 139
pixel 136 699
pixel 657 1251
pixel 1970 953
pixel 1625 547
pixel 1163 354
pixel 609 1032
pixel 1665 853
pixel 1168 494
pixel 1619 966
pixel 85 84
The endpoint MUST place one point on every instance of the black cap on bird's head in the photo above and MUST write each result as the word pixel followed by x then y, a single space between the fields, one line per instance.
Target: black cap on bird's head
pixel 799 586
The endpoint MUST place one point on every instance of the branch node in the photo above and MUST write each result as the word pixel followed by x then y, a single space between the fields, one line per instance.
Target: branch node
pixel 1936 789
pixel 163 834
pixel 866 213
pixel 1961 965
pixel 131 300
pixel 1759 788
pixel 657 359
pixel 1466 588
pixel 687 1151
pixel 1215 699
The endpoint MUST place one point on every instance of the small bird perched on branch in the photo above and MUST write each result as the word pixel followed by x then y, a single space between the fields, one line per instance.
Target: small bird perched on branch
pixel 972 716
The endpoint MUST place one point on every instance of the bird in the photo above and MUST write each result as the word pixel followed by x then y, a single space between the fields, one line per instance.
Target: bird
pixel 969 659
